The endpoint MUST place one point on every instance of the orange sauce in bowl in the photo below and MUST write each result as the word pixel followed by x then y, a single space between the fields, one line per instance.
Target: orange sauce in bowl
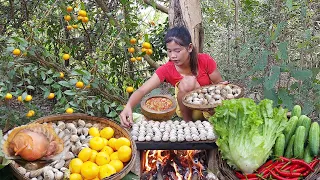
pixel 159 103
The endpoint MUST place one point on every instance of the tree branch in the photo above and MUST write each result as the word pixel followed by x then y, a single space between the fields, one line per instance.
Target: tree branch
pixel 105 9
pixel 158 6
pixel 150 61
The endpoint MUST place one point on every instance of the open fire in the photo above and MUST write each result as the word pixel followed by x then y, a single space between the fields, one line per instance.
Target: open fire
pixel 174 164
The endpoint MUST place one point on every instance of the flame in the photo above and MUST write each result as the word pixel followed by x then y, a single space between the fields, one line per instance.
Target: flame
pixel 179 176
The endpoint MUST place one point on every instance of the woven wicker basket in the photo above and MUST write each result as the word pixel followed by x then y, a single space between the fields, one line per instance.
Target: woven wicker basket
pixel 207 107
pixel 102 122
pixel 225 172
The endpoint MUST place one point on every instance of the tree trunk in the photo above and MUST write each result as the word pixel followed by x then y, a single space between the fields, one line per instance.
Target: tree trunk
pixel 188 13
pixel 236 31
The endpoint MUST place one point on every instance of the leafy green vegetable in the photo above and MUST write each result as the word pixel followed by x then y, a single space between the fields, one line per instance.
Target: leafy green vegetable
pixel 3 161
pixel 247 131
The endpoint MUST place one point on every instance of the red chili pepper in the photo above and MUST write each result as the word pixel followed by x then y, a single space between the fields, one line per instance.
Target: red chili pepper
pixel 250 178
pixel 301 162
pixel 284 159
pixel 250 175
pixel 287 174
pixel 239 175
pixel 265 165
pixel 306 173
pixel 314 163
pixel 300 170
pixel 266 175
pixel 294 167
pixel 274 175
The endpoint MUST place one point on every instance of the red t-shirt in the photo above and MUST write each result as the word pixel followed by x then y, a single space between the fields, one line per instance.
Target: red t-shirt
pixel 206 65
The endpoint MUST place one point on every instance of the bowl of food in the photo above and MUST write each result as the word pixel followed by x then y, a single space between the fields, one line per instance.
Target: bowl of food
pixel 158 107
pixel 208 97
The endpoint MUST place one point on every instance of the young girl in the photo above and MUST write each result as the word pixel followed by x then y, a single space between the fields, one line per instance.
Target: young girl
pixel 186 70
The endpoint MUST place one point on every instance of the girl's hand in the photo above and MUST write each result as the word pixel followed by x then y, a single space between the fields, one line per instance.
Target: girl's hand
pixel 224 82
pixel 126 117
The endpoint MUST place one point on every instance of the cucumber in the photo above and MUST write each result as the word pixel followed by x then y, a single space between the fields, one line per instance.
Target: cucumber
pixel 296 111
pixel 279 145
pixel 301 119
pixel 314 139
pixel 298 144
pixel 306 123
pixel 289 149
pixel 290 128
pixel 307 156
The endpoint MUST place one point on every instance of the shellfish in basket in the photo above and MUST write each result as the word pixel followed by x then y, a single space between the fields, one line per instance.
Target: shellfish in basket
pixel 33 143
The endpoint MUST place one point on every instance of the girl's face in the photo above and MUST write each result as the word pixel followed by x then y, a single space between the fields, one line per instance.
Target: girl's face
pixel 178 54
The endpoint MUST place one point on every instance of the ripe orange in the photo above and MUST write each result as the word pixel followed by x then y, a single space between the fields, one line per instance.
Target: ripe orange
pixel 133 59
pixel 102 158
pixel 69 9
pixel 69 110
pixel 67 17
pixel 117 164
pixel 105 141
pixel 85 19
pixel 129 89
pixel 106 171
pixel 69 28
pixel 133 40
pixel 66 56
pixel 20 98
pixel 107 132
pixel 75 165
pixel 82 13
pixel 28 98
pixel 85 154
pixel 16 52
pixel 79 84
pixel 32 112
pixel 107 149
pixel 139 58
pixel 93 155
pixel 61 75
pixel 51 96
pixel 94 132
pixel 124 153
pixel 146 45
pixel 131 50
pixel 143 49
pixel 89 170
pixel 8 96
pixel 75 176
pixel 29 114
pixel 114 156
pixel 111 143
pixel 149 51
pixel 75 26
pixel 79 17
pixel 96 143
pixel 122 141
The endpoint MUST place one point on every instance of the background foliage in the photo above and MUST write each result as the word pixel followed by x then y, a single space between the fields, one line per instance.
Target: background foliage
pixel 274 53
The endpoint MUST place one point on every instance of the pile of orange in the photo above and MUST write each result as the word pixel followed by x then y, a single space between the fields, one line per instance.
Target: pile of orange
pixel 105 156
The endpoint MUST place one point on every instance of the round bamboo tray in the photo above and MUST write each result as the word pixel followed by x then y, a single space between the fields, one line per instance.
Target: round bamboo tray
pixel 208 107
pixel 102 122
pixel 158 115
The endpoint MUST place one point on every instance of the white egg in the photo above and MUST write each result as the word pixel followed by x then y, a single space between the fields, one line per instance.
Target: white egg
pixel 156 138
pixel 203 138
pixel 181 138
pixel 141 138
pixel 135 133
pixel 150 134
pixel 165 138
pixel 148 138
pixel 211 137
pixel 188 138
pixel 173 139
pixel 134 138
pixel 176 122
pixel 196 138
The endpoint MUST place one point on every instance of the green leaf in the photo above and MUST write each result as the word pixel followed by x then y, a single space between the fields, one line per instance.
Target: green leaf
pixel 27 70
pixel 289 5
pixel 90 102
pixel 130 176
pixel 69 92
pixel 255 82
pixel 48 81
pixel 308 106
pixel 113 104
pixel 112 114
pixel 271 81
pixel 30 87
pixel 278 30
pixel 283 54
pixel 263 61
pixel 43 75
pixel 271 94
pixel 119 108
pixel 64 83
pixel 59 95
pixel 301 74
pixel 286 98
pixel 55 86
pixel 106 108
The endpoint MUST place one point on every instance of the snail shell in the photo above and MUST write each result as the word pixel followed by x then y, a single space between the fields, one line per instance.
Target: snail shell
pixel 34 178
pixel 27 174
pixel 74 138
pixel 61 125
pixel 40 178
pixel 48 175
pixel 58 175
pixel 60 164
pixel 61 134
pixel 36 173
pixel 67 156
pixel 81 123
pixel 21 170
pixel 88 125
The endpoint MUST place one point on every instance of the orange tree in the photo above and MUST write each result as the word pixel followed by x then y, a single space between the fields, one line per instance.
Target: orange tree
pixel 73 55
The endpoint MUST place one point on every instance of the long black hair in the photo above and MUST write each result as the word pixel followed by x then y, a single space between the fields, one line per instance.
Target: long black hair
pixel 181 36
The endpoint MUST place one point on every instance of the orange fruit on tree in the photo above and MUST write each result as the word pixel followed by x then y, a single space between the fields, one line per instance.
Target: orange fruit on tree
pixel 85 154
pixel 32 112
pixel 114 156
pixel 16 52
pixel 131 50
pixel 29 114
pixel 133 59
pixel 94 131
pixel 82 13
pixel 102 158
pixel 85 19
pixel 67 17
pixel 152 23
pixel 75 176
pixel 79 18
pixel 149 51
pixel 28 98
pixel 139 58
pixel 117 164
pixel 133 41
pixel 96 143
pixel 89 170
pixel 69 28
pixel 19 98
pixel 129 89
pixel 69 110
pixel 79 84
pixel 124 153
pixel 146 45
pixel 66 56
pixel 61 75
pixel 107 149
pixel 8 96
pixel 143 49
pixel 75 26
pixel 122 141
pixel 111 143
pixel 75 165
pixel 106 171
pixel 107 132
pixel 69 9
pixel 51 96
